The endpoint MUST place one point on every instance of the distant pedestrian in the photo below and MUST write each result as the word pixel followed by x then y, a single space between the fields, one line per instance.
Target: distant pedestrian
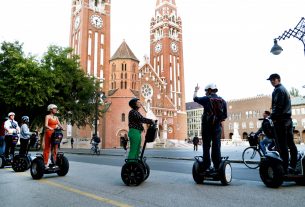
pixel 195 143
pixel 72 141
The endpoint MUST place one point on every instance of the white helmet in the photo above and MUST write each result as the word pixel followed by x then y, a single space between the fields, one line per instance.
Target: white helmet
pixel 11 114
pixel 52 106
pixel 211 86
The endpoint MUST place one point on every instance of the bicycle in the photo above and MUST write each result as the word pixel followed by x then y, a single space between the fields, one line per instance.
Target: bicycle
pixel 252 155
pixel 95 149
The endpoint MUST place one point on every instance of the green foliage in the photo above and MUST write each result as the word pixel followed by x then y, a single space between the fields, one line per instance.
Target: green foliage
pixel 294 92
pixel 28 86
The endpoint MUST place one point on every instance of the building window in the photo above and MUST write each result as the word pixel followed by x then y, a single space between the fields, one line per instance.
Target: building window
pixel 251 125
pixel 303 122
pixel 302 110
pixel 244 125
pixel 258 124
pixel 123 117
pixel 113 67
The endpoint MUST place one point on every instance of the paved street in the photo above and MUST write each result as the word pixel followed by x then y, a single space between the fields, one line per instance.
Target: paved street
pixel 96 181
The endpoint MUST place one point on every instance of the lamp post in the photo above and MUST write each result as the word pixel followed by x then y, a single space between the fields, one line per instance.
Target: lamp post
pixel 298 32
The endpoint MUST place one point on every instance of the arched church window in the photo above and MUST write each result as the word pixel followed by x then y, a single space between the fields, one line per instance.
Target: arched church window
pixel 123 117
pixel 113 67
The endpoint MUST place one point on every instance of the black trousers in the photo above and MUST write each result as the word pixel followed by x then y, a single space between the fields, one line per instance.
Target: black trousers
pixel 211 133
pixel 10 147
pixel 24 143
pixel 284 133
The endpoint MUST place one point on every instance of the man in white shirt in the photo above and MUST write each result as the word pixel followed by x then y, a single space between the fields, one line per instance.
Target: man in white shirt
pixel 11 130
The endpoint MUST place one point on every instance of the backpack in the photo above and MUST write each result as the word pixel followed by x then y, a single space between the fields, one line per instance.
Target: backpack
pixel 217 109
pixel 267 127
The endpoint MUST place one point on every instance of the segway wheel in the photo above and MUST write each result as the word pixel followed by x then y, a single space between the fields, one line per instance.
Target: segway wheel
pixel 301 181
pixel 37 168
pixel 225 173
pixel 2 161
pixel 63 165
pixel 147 170
pixel 197 176
pixel 271 173
pixel 132 173
pixel 21 163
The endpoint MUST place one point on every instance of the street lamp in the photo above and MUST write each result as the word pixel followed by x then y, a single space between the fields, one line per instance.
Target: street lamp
pixel 298 32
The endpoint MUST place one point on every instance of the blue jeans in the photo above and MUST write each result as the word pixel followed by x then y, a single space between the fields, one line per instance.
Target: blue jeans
pixel 264 143
pixel 211 133
pixel 2 145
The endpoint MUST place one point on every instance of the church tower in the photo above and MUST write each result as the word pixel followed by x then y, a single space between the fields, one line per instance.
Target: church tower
pixel 90 39
pixel 123 86
pixel 90 36
pixel 166 57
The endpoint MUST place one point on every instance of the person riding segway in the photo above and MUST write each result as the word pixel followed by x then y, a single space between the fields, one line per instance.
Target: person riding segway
pixel 12 131
pixel 215 112
pixel 58 163
pixel 22 161
pixel 275 167
pixel 135 170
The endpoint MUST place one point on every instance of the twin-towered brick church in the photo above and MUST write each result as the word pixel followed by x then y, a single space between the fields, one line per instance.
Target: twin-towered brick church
pixel 158 81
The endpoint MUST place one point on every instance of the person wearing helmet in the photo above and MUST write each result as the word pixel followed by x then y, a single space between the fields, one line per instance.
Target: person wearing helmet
pixel 11 127
pixel 2 134
pixel 51 123
pixel 135 124
pixel 214 113
pixel 24 135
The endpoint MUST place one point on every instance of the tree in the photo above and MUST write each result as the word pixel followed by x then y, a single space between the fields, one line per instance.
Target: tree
pixel 294 92
pixel 28 86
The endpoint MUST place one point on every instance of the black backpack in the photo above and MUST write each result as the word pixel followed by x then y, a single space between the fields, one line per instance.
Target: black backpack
pixel 217 109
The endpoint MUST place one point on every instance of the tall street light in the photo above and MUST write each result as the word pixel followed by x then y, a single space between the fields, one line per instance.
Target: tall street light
pixel 298 32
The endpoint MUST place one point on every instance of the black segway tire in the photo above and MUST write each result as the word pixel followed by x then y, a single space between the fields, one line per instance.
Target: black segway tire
pixel 132 173
pixel 147 170
pixel 271 173
pixel 196 171
pixel 37 168
pixel 21 163
pixel 63 165
pixel 301 181
pixel 225 173
pixel 2 161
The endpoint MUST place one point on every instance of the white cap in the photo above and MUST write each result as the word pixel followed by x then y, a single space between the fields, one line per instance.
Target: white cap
pixel 11 114
pixel 52 106
pixel 211 86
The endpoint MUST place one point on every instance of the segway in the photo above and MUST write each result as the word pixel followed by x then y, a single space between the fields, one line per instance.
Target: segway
pixel 222 174
pixel 61 166
pixel 8 161
pixel 22 163
pixel 272 171
pixel 135 171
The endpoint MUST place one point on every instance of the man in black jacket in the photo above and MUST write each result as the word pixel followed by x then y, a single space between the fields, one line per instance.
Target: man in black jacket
pixel 281 117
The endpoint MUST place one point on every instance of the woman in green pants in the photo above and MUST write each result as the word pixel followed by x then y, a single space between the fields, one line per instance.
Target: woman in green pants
pixel 135 124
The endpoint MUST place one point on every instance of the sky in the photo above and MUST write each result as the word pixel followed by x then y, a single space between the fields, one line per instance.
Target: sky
pixel 224 42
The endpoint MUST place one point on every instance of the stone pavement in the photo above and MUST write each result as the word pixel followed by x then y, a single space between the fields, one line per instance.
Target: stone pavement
pixel 233 151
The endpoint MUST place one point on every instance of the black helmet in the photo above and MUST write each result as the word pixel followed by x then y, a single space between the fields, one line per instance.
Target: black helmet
pixel 133 103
